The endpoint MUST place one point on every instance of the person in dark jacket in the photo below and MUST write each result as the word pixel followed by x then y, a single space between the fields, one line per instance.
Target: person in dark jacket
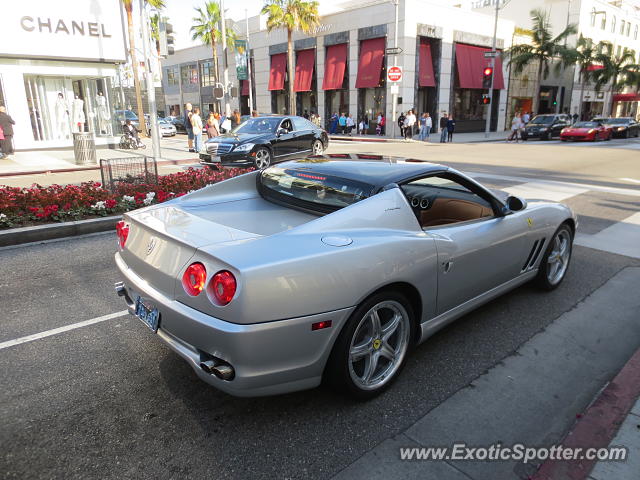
pixel 451 126
pixel 443 127
pixel 6 123
pixel 401 119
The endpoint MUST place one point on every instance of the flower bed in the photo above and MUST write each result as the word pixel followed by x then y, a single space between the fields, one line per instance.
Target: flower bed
pixel 62 203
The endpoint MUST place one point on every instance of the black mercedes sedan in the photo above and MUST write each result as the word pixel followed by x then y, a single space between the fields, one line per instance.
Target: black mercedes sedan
pixel 545 127
pixel 261 141
pixel 622 127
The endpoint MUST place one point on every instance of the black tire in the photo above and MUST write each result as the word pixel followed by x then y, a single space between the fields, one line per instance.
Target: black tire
pixel 317 147
pixel 263 158
pixel 338 371
pixel 542 279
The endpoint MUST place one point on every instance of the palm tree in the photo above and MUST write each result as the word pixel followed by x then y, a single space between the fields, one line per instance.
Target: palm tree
pixel 291 15
pixel 619 70
pixel 586 58
pixel 544 49
pixel 206 28
pixel 155 31
pixel 128 7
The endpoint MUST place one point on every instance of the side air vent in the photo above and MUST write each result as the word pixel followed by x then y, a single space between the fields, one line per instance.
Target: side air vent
pixel 533 255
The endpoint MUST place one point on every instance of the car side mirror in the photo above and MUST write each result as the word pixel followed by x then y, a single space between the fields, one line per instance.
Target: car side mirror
pixel 281 131
pixel 515 204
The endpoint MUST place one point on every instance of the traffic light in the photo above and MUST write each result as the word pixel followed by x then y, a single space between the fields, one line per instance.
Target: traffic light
pixel 487 74
pixel 486 100
pixel 167 41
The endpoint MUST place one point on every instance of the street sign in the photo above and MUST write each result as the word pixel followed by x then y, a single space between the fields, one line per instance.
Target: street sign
pixel 395 89
pixel 394 74
pixel 393 51
pixel 490 54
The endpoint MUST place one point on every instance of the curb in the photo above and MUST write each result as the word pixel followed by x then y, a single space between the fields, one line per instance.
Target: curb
pixel 599 424
pixel 364 139
pixel 41 233
pixel 84 168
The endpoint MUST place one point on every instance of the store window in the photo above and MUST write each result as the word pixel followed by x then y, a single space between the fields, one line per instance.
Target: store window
pixel 173 76
pixel 189 74
pixel 207 76
pixel 635 32
pixel 622 25
pixel 60 106
pixel 603 22
pixel 613 24
pixel 593 16
pixel 628 29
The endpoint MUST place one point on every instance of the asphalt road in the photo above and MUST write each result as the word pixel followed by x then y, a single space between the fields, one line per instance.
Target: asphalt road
pixel 110 401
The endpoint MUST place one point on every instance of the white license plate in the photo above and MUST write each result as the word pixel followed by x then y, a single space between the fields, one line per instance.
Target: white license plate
pixel 149 315
pixel 215 159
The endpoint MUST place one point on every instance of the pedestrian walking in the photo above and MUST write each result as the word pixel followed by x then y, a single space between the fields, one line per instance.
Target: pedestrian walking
pixel 316 119
pixel 6 124
pixel 425 127
pixel 516 124
pixel 443 127
pixel 451 127
pixel 187 125
pixel 1 139
pixel 350 124
pixel 401 120
pixel 342 121
pixel 574 117
pixel 333 123
pixel 526 117
pixel 409 122
pixel 361 127
pixel 213 125
pixel 236 119
pixel 196 124
pixel 382 122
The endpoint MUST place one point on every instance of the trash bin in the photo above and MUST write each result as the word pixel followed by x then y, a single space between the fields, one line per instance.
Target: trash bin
pixel 84 148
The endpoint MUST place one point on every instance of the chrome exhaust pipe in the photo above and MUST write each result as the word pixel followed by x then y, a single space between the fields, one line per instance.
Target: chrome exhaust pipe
pixel 221 370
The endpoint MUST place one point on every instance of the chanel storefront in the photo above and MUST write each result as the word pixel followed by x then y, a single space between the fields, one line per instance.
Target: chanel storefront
pixel 58 62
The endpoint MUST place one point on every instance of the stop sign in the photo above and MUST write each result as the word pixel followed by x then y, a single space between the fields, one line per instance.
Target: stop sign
pixel 394 74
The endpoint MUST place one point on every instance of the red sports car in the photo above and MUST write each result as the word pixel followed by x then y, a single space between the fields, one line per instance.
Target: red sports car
pixel 586 131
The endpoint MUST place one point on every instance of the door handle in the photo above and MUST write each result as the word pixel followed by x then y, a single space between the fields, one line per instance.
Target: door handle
pixel 447 266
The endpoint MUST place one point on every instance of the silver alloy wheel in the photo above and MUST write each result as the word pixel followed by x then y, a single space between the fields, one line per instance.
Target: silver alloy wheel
pixel 379 345
pixel 263 159
pixel 558 259
pixel 317 147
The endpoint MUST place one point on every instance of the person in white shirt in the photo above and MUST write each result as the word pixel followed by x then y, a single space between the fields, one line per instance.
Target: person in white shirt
pixel 516 125
pixel 409 122
pixel 525 118
pixel 196 124
pixel 350 124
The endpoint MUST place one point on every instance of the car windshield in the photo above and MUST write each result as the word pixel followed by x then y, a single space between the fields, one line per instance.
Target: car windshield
pixel 586 125
pixel 258 125
pixel 617 121
pixel 312 191
pixel 543 119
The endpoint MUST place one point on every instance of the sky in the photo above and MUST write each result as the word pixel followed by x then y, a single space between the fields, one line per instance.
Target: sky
pixel 180 13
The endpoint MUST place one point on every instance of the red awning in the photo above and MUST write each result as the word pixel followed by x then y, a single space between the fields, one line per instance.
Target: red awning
pixel 335 65
pixel 371 57
pixel 245 87
pixel 626 97
pixel 304 70
pixel 471 63
pixel 425 73
pixel 278 71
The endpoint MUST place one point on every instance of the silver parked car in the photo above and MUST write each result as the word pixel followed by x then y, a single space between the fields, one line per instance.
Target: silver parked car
pixel 323 269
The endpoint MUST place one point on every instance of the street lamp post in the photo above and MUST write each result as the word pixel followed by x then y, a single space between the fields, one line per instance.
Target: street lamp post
pixel 225 70
pixel 151 91
pixel 246 19
pixel 394 96
pixel 487 126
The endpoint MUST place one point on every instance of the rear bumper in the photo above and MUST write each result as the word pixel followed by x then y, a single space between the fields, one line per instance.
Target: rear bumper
pixel 268 358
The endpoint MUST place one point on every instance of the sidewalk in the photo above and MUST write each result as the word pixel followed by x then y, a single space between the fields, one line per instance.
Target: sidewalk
pixel 469 137
pixel 535 397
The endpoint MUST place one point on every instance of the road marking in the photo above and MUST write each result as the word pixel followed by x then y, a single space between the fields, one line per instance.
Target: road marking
pixel 621 238
pixel 56 331
pixel 633 180
pixel 542 191
pixel 586 186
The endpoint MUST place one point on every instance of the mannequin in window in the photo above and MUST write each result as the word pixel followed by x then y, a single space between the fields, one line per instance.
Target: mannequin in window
pixel 77 114
pixel 102 113
pixel 62 116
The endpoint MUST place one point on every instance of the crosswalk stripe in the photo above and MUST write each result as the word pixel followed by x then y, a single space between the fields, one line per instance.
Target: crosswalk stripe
pixel 622 238
pixel 544 191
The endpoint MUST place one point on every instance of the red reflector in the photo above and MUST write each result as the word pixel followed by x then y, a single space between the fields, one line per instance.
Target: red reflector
pixel 194 278
pixel 223 284
pixel 321 325
pixel 122 231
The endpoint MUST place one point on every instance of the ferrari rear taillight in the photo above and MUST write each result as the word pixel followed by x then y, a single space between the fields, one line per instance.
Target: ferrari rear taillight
pixel 194 279
pixel 122 231
pixel 223 286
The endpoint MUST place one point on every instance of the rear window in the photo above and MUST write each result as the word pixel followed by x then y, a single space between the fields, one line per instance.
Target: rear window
pixel 618 121
pixel 310 190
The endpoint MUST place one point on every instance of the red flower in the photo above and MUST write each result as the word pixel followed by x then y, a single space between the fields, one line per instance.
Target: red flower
pixel 110 203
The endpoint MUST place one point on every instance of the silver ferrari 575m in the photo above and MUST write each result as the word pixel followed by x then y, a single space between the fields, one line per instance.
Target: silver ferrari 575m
pixel 323 269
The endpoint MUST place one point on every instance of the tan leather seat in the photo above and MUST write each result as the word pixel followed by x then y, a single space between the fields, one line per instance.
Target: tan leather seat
pixel 448 210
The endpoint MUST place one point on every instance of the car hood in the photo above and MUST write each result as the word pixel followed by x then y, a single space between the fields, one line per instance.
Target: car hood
pixel 237 139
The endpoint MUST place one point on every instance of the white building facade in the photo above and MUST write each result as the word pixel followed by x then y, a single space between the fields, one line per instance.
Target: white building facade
pixel 341 68
pixel 57 65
